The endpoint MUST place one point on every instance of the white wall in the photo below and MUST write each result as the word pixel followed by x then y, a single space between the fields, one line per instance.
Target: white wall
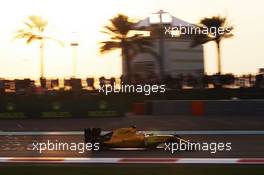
pixel 179 58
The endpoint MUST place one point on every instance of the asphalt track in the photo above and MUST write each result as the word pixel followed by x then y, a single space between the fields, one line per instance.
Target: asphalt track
pixel 247 138
pixel 143 122
pixel 243 146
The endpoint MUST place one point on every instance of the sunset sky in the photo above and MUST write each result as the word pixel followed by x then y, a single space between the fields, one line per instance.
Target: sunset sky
pixel 242 54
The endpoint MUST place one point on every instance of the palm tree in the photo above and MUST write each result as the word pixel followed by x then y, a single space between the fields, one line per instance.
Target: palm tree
pixel 119 30
pixel 217 23
pixel 34 30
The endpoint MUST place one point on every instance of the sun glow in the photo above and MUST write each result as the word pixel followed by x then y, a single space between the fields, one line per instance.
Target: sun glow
pixel 66 20
pixel 86 19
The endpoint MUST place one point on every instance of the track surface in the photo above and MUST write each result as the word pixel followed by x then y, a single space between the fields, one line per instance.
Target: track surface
pixel 142 123
pixel 243 146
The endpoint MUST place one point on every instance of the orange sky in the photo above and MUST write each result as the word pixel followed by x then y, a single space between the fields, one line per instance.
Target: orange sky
pixel 241 54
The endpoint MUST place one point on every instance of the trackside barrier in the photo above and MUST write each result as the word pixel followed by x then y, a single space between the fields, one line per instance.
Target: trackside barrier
pixel 206 107
pixel 60 108
pixel 197 108
pixel 139 108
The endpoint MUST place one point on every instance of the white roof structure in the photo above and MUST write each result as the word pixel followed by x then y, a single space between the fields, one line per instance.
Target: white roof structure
pixel 166 19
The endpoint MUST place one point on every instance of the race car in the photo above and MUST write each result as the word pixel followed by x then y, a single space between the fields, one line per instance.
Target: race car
pixel 129 138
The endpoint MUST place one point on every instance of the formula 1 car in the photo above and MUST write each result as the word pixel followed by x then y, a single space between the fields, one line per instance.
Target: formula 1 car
pixel 129 138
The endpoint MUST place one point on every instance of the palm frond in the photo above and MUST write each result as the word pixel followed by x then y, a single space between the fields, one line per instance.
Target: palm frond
pixel 111 30
pixel 215 21
pixel 28 24
pixel 212 22
pixel 56 40
pixel 108 46
pixel 31 38
pixel 34 30
pixel 119 38
pixel 121 25
pixel 37 22
pixel 22 35
pixel 200 39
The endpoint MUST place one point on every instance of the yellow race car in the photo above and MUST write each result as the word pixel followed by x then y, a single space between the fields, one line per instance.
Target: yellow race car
pixel 128 138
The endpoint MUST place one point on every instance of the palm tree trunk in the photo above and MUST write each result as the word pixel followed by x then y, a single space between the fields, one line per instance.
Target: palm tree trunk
pixel 42 58
pixel 126 61
pixel 74 61
pixel 219 66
